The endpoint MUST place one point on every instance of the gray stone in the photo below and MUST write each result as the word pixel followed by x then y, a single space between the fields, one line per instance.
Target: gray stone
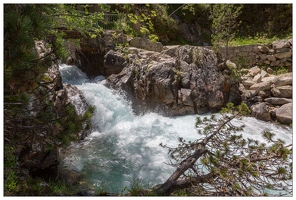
pixel 254 71
pixel 186 97
pixel 267 79
pixel 279 44
pixel 263 56
pixel 263 49
pixel 242 88
pixel 283 79
pixel 278 101
pixel 257 78
pixel 263 94
pixel 261 111
pixel 275 92
pixel 271 51
pixel 145 43
pixel 283 50
pixel 248 83
pixel 250 93
pixel 261 86
pixel 264 73
pixel 285 91
pixel 284 113
pixel 275 63
pixel 76 98
pixel 283 55
pixel 153 82
pixel 271 58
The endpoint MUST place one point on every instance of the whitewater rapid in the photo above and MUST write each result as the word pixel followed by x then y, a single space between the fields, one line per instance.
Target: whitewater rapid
pixel 124 147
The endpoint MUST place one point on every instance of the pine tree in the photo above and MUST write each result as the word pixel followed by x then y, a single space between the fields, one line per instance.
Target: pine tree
pixel 224 24
pixel 224 163
pixel 24 124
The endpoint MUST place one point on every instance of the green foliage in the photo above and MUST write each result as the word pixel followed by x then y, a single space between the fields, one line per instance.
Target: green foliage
pixel 231 165
pixel 242 62
pixel 139 188
pixel 192 12
pixel 258 39
pixel 280 70
pixel 23 24
pixel 11 183
pixel 225 24
pixel 149 20
pixel 242 109
pixel 153 37
pixel 72 124
pixel 78 17
pixel 270 20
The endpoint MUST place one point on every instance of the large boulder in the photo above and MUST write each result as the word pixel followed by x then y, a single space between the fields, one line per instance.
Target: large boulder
pixel 284 113
pixel 283 79
pixel 179 80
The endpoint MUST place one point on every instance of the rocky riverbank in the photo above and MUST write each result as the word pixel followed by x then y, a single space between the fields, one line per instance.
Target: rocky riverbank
pixel 268 96
pixel 60 108
pixel 184 79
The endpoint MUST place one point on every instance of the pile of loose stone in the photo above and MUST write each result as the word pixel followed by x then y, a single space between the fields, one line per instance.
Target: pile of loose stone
pixel 268 96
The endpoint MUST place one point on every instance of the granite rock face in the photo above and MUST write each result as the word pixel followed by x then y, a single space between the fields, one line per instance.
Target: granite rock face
pixel 178 80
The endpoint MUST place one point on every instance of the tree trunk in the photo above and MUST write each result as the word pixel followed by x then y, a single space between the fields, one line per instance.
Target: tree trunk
pixel 174 182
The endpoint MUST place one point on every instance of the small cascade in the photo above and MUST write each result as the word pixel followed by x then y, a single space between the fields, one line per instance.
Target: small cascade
pixel 123 146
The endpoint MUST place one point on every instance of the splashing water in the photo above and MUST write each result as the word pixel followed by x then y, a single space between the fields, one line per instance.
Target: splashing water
pixel 124 146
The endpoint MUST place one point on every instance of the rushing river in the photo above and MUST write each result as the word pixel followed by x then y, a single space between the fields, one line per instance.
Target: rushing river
pixel 124 147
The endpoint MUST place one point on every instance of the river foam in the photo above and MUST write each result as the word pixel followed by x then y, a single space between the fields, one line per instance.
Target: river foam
pixel 123 146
